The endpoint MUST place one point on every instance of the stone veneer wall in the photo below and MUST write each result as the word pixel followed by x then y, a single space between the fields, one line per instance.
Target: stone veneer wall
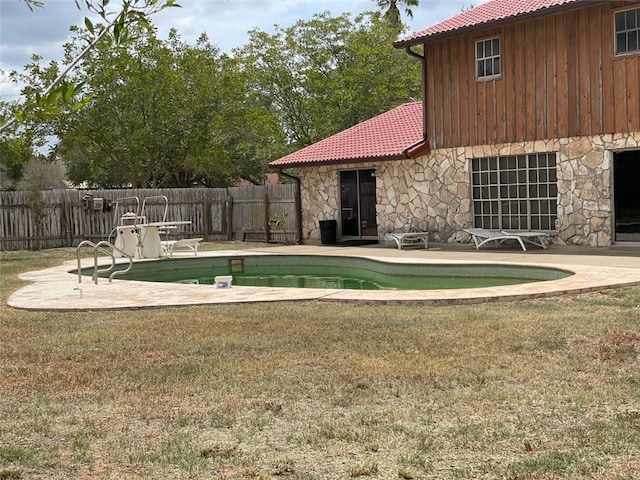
pixel 433 193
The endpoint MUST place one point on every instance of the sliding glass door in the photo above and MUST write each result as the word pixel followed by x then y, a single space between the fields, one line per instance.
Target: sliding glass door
pixel 358 203
pixel 626 174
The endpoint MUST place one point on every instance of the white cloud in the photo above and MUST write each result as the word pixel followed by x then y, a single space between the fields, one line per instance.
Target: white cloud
pixel 226 23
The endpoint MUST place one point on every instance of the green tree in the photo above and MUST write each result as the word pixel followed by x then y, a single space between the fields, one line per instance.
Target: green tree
pixel 165 114
pixel 61 92
pixel 19 145
pixel 324 75
pixel 24 124
pixel 15 151
pixel 392 11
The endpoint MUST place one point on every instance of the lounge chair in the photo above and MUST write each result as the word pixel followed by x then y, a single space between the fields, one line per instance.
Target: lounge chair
pixel 184 243
pixel 539 239
pixel 482 237
pixel 409 239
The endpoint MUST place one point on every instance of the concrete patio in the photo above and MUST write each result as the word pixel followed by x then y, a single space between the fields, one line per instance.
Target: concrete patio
pixel 595 269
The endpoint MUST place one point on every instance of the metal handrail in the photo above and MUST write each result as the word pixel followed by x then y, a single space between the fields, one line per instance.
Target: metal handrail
pixel 80 245
pixel 115 210
pixel 166 205
pixel 100 246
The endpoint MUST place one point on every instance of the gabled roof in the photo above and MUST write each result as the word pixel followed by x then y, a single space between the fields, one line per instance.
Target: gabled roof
pixel 391 135
pixel 485 15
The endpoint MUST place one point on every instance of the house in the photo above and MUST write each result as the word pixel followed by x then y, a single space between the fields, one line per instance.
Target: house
pixel 530 119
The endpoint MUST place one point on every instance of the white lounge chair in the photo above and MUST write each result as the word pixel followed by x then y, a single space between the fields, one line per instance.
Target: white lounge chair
pixel 482 237
pixel 409 239
pixel 184 243
pixel 539 239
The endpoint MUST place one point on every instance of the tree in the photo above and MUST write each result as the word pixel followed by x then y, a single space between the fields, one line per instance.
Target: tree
pixel 165 114
pixel 392 11
pixel 117 29
pixel 40 174
pixel 327 74
pixel 15 151
pixel 53 94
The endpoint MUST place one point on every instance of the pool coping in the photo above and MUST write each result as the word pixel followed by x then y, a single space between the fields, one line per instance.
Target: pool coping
pixel 57 288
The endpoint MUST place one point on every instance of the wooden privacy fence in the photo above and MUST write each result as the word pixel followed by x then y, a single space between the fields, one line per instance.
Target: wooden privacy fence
pixel 64 218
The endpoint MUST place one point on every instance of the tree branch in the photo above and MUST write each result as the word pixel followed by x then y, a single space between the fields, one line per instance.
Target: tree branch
pixel 123 13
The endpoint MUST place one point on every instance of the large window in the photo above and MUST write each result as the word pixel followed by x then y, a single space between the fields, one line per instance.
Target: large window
pixel 487 58
pixel 628 31
pixel 515 192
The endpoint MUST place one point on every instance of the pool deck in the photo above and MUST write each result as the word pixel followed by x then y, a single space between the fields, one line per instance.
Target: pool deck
pixel 597 269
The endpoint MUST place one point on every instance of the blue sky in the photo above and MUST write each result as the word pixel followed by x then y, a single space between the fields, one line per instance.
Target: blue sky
pixel 226 22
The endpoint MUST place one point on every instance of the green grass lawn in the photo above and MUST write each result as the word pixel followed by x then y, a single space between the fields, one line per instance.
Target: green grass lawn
pixel 538 389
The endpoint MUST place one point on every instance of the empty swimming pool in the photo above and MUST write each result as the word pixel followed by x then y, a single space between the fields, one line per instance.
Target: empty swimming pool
pixel 317 271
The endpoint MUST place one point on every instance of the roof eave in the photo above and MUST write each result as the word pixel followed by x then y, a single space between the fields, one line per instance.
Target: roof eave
pixel 339 161
pixel 418 149
pixel 482 26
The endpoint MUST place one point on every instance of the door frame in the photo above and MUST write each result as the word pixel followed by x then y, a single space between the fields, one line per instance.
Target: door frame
pixel 616 194
pixel 358 197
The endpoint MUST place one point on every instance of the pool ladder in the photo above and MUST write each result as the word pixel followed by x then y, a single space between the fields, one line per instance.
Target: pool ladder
pixel 108 249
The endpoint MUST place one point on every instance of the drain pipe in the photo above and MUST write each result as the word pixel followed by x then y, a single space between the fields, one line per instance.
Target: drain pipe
pixel 298 204
pixel 423 61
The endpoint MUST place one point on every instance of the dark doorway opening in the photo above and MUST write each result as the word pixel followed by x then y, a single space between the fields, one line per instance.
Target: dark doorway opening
pixel 358 203
pixel 626 193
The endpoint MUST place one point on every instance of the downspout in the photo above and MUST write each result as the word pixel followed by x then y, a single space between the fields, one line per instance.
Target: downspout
pixel 423 60
pixel 298 204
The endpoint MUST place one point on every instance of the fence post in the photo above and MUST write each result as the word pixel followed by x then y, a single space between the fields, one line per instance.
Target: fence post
pixel 66 222
pixel 206 211
pixel 229 217
pixel 267 226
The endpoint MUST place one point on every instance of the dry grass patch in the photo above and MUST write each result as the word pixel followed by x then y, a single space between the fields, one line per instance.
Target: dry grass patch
pixel 526 390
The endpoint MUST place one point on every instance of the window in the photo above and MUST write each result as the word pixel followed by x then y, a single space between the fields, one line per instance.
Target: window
pixel 488 58
pixel 515 192
pixel 628 31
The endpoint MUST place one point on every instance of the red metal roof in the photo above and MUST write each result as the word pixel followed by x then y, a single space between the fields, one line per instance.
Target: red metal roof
pixel 390 135
pixel 483 15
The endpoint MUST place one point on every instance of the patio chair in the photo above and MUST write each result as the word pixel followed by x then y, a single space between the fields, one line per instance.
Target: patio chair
pixel 483 236
pixel 540 239
pixel 184 244
pixel 411 237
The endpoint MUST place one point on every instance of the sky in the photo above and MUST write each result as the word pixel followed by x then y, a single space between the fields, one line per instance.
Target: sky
pixel 44 31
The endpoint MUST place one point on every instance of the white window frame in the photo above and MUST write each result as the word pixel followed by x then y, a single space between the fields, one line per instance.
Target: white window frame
pixel 486 55
pixel 515 192
pixel 626 32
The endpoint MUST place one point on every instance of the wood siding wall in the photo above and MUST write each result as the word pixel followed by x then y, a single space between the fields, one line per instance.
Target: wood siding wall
pixel 560 78
pixel 215 214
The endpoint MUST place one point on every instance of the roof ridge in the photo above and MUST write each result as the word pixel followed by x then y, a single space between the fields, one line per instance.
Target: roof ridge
pixel 483 14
